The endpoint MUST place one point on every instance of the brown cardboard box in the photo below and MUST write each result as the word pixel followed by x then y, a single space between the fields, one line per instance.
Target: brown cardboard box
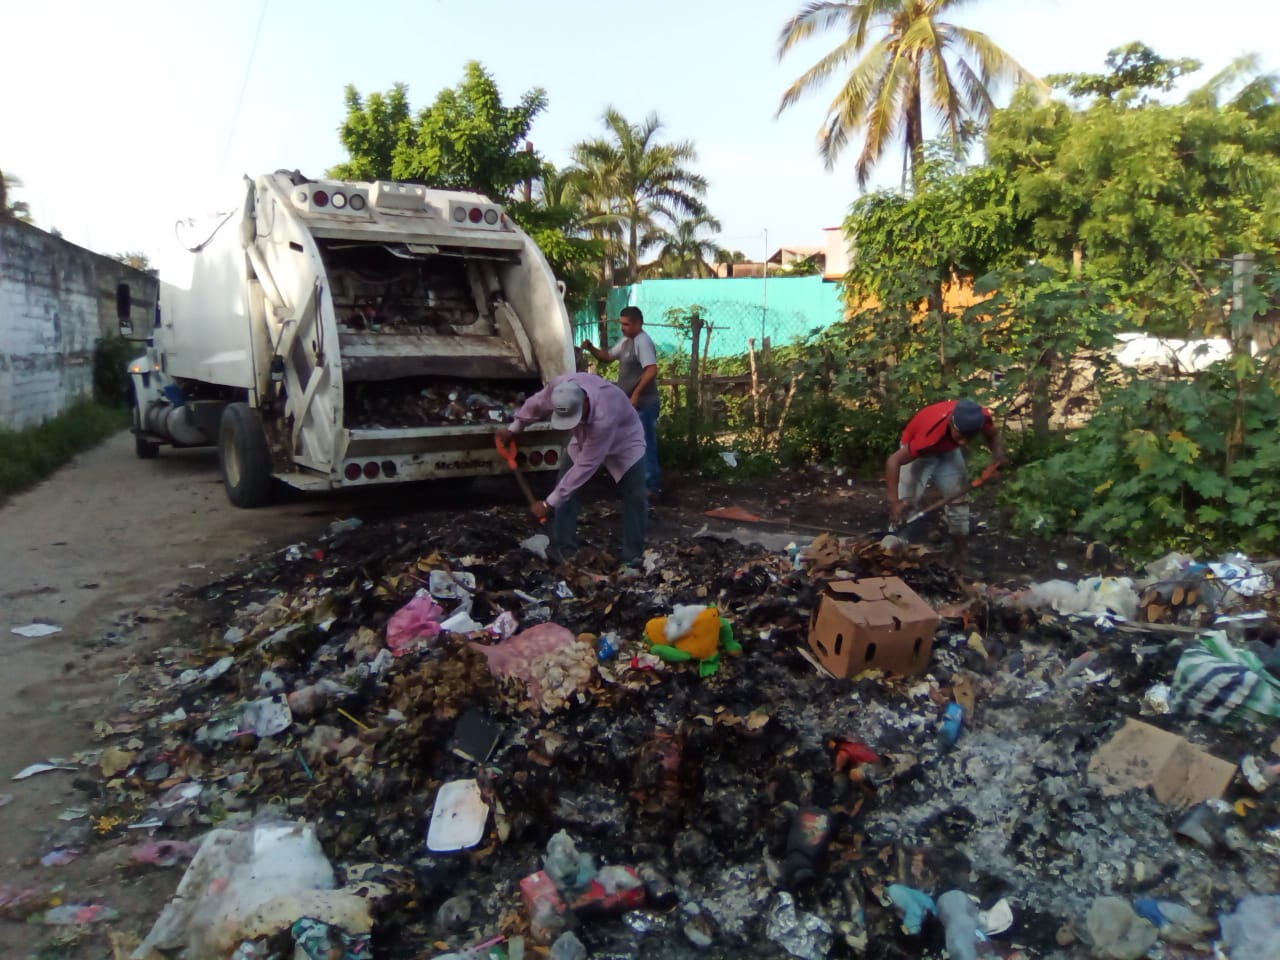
pixel 874 624
pixel 1141 756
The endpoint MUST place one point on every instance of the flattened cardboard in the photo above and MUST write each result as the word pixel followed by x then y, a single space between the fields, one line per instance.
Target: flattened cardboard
pixel 1141 756
pixel 874 624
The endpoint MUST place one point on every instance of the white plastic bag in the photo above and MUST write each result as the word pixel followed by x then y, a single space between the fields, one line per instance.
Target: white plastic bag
pixel 245 884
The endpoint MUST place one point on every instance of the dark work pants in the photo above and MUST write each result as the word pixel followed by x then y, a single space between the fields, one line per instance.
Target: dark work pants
pixel 635 514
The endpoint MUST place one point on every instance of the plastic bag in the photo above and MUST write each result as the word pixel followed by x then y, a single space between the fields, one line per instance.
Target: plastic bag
pixel 419 619
pixel 242 885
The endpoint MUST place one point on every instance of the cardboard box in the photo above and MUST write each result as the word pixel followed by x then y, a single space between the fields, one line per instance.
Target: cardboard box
pixel 1141 756
pixel 874 624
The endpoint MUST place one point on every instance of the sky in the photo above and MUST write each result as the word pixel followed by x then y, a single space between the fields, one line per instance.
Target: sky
pixel 122 117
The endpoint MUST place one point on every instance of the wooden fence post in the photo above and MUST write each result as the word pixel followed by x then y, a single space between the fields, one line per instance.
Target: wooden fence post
pixel 694 393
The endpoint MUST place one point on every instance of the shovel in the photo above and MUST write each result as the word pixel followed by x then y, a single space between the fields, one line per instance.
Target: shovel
pixel 508 451
pixel 992 471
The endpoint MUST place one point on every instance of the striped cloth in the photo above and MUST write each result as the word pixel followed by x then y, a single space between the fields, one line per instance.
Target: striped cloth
pixel 1220 682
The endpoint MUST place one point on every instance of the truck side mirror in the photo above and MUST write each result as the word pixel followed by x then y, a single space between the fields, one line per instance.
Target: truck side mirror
pixel 124 309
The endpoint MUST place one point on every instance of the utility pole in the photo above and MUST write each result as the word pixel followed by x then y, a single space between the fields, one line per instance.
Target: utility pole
pixel 764 286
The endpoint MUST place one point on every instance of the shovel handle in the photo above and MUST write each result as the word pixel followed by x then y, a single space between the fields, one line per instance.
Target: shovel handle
pixel 508 451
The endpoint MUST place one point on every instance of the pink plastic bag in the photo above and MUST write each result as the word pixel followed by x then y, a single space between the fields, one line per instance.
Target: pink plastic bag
pixel 419 619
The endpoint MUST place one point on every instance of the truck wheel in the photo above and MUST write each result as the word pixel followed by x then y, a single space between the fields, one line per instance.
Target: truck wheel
pixel 244 456
pixel 144 448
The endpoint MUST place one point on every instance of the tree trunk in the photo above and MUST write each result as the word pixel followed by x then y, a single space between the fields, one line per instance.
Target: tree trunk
pixel 633 251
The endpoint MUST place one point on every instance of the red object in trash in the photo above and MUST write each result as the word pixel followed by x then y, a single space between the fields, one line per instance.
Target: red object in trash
pixel 544 905
pixel 854 753
pixel 733 513
pixel 598 902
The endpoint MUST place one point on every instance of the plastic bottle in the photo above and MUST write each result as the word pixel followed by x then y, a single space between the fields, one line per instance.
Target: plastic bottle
pixel 959 915
pixel 952 724
pixel 609 645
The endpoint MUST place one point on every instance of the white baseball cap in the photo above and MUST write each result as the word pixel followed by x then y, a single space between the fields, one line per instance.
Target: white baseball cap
pixel 566 405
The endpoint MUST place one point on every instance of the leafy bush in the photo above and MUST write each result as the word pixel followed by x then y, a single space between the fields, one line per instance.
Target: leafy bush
pixel 111 369
pixel 1191 465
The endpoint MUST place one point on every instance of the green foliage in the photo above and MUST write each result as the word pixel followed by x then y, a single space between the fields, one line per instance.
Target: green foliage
pixel 1148 199
pixel 907 61
pixel 466 140
pixel 1133 68
pixel 11 209
pixel 111 383
pixel 29 455
pixel 134 258
pixel 1191 465
pixel 634 177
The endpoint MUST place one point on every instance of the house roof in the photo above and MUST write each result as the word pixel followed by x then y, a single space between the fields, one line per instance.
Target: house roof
pixel 798 251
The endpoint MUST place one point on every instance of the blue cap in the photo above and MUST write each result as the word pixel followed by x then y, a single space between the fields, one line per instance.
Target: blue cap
pixel 968 417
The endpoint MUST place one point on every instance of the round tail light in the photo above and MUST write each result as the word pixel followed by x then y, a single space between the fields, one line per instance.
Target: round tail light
pixel 491 216
pixel 320 198
pixel 352 471
pixel 357 202
pixel 339 201
pixel 475 214
pixel 535 458
pixel 459 214
pixel 551 458
pixel 371 470
pixel 388 468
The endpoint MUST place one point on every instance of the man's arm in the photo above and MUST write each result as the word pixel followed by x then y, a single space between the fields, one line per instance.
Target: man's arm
pixel 892 472
pixel 588 458
pixel 533 410
pixel 995 443
pixel 647 376
pixel 604 356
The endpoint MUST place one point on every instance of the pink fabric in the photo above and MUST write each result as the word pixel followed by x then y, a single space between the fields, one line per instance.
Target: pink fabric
pixel 515 657
pixel 419 619
pixel 609 436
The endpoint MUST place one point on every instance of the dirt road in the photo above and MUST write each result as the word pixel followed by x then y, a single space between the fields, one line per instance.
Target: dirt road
pixel 100 550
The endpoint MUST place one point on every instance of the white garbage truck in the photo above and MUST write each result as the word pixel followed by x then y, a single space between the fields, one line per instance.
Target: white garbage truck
pixel 331 334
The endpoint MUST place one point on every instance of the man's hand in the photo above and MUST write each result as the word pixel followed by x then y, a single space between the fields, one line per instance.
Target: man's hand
pixel 588 346
pixel 540 509
pixel 897 508
pixel 505 436
pixel 635 401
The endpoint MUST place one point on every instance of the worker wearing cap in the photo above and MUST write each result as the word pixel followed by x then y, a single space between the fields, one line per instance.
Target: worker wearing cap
pixel 638 376
pixel 606 432
pixel 932 450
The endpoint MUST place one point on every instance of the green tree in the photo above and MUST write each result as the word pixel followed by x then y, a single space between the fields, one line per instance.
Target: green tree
pixel 644 176
pixel 682 252
pixel 908 60
pixel 1152 198
pixel 11 209
pixel 466 140
pixel 1133 68
pixel 730 256
pixel 135 259
pixel 372 132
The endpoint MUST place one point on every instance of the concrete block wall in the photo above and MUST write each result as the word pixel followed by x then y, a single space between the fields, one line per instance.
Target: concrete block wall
pixel 56 301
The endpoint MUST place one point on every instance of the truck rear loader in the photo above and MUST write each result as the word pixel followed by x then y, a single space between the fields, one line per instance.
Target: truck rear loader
pixel 330 334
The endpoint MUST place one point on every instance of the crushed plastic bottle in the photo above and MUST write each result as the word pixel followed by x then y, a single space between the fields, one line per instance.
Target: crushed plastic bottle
pixel 959 915
pixel 952 725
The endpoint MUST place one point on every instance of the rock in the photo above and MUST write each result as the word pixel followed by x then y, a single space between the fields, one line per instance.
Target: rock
pixel 1117 932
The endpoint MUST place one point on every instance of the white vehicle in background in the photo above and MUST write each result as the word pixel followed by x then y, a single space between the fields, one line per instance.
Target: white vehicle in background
pixel 334 334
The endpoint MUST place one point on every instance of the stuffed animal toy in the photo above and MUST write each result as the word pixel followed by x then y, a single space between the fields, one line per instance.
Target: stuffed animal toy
pixel 692 632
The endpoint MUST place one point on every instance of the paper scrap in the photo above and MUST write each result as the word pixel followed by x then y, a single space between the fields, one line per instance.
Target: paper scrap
pixel 36 630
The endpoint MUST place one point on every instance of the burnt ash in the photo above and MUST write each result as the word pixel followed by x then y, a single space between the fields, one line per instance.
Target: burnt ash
pixel 699 778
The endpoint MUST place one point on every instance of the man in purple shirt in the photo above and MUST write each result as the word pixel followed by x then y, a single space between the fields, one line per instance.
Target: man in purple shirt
pixel 606 433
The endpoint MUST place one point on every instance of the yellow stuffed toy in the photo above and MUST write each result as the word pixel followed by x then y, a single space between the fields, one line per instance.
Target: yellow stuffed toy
pixel 692 632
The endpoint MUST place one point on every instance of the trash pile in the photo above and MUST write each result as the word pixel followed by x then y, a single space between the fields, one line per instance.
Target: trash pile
pixel 436 403
pixel 428 739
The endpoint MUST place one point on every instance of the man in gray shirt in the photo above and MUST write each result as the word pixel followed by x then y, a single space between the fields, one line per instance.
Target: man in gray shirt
pixel 638 377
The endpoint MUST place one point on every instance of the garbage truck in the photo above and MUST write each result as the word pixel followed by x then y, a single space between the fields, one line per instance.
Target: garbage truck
pixel 331 334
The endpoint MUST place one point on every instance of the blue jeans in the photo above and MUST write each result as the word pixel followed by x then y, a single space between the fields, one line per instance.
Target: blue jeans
pixel 649 420
pixel 947 471
pixel 635 514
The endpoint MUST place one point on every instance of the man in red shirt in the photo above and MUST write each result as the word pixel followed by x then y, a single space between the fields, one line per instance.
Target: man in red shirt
pixel 932 450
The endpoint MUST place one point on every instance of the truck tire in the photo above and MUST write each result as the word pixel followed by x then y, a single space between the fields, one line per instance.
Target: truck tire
pixel 244 457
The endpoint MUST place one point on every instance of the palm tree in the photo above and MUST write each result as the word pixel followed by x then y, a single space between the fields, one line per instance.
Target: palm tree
pixel 640 175
pixel 682 253
pixel 914 57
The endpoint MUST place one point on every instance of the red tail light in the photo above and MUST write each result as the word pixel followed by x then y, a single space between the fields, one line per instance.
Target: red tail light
pixel 551 458
pixel 371 470
pixel 352 471
pixel 535 458
pixel 320 198
pixel 475 215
